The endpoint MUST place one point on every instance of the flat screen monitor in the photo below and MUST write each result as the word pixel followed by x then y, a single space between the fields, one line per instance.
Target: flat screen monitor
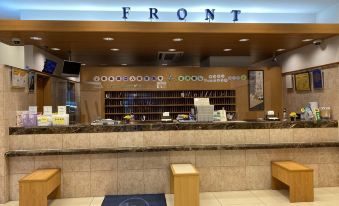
pixel 71 68
pixel 49 66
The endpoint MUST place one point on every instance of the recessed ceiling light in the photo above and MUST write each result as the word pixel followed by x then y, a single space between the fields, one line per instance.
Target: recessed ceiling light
pixel 243 40
pixel 172 50
pixel 178 39
pixel 36 38
pixel 115 49
pixel 226 50
pixel 108 38
pixel 164 64
pixel 123 64
pixel 307 40
pixel 55 49
pixel 83 64
pixel 280 50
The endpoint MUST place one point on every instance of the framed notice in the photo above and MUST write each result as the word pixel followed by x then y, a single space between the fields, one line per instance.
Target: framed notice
pixel 302 82
pixel 256 90
pixel 19 78
pixel 317 79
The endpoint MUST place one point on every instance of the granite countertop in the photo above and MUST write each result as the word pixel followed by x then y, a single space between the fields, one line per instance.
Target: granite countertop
pixel 17 153
pixel 158 126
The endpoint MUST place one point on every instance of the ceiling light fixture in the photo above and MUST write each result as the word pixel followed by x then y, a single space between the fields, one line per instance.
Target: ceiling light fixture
pixel 226 50
pixel 178 39
pixel 307 40
pixel 123 64
pixel 172 50
pixel 115 49
pixel 164 64
pixel 108 38
pixel 244 40
pixel 55 49
pixel 83 64
pixel 36 38
pixel 280 50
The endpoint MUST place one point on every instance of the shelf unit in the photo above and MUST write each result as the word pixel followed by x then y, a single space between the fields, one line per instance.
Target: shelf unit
pixel 152 104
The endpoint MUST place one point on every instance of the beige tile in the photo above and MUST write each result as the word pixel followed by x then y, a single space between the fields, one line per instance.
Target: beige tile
pixel 182 157
pixel 48 141
pixel 20 165
pixel 3 165
pixel 208 199
pixel 131 182
pixel 103 140
pixel 281 136
pixel 328 155
pixel 233 178
pixel 232 136
pixel 97 201
pixel 273 197
pixel 76 163
pixel 104 162
pixel 327 134
pixel 266 156
pixel 203 137
pixel 157 181
pixel 328 175
pixel 258 177
pixel 237 198
pixel 307 155
pixel 208 158
pixel 257 136
pixel 76 184
pixel 104 183
pixel 158 138
pixel 44 162
pixel 2 190
pixel 75 141
pixel 130 161
pixel 182 137
pixel 210 179
pixel 130 139
pixel 156 160
pixel 14 186
pixel 21 142
pixel 305 135
pixel 233 158
pixel 72 202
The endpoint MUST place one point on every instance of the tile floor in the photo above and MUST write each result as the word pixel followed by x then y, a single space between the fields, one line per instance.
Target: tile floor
pixel 323 197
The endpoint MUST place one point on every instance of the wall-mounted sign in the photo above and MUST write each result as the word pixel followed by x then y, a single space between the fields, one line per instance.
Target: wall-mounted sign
pixel 302 82
pixel 256 90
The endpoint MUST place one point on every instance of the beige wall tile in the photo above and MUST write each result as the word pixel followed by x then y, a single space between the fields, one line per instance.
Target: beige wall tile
pixel 2 164
pixel 45 162
pixel 73 163
pixel 210 179
pixel 2 190
pixel 75 141
pixel 328 175
pixel 21 142
pixel 157 181
pixel 130 139
pixel 202 137
pixel 233 158
pixel 233 178
pixel 156 160
pixel 20 165
pixel 307 155
pixel 265 157
pixel 305 135
pixel 104 183
pixel 281 136
pixel 232 136
pixel 14 186
pixel 130 161
pixel 131 182
pixel 182 137
pixel 104 162
pixel 104 140
pixel 257 136
pixel 181 157
pixel 48 141
pixel 258 177
pixel 208 158
pixel 76 184
pixel 328 155
pixel 158 138
pixel 327 134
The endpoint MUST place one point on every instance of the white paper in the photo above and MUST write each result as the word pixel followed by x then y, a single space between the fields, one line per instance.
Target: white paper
pixel 48 110
pixel 33 109
pixel 62 110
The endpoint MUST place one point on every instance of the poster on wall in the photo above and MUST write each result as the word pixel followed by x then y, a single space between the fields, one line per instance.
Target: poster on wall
pixel 31 82
pixel 317 79
pixel 256 90
pixel 302 82
pixel 19 78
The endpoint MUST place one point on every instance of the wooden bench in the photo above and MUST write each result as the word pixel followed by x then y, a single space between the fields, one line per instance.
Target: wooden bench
pixel 296 177
pixel 185 185
pixel 37 187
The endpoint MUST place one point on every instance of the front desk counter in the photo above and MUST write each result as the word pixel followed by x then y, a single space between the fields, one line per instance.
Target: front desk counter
pixel 135 159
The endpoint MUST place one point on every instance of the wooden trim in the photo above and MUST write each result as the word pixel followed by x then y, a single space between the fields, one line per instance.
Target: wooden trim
pixel 166 27
pixel 322 67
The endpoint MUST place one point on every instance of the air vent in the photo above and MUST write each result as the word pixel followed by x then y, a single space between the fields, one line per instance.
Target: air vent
pixel 167 57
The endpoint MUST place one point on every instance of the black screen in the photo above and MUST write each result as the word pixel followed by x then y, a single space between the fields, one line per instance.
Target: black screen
pixel 72 68
pixel 49 66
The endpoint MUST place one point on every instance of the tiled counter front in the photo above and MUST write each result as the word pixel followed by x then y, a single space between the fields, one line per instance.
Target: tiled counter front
pixel 148 172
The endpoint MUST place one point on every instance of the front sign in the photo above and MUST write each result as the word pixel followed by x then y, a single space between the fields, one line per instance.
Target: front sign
pixel 182 13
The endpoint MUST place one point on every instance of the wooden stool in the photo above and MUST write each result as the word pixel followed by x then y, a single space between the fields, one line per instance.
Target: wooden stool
pixel 297 177
pixel 185 185
pixel 35 188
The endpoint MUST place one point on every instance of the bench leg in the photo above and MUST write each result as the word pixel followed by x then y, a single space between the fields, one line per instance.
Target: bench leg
pixel 278 185
pixel 301 188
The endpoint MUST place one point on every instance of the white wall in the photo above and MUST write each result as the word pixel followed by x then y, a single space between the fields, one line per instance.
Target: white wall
pixel 12 55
